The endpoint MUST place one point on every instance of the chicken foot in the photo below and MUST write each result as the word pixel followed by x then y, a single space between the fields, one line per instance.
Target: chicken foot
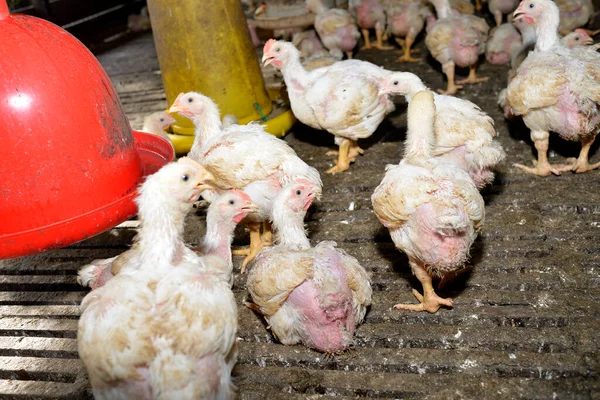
pixel 347 153
pixel 582 164
pixel 256 245
pixel 478 5
pixel 452 88
pixel 472 78
pixel 429 301
pixel 543 167
pixel 379 34
pixel 407 57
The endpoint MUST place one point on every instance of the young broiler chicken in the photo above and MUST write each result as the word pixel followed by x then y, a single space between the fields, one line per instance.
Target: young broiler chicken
pixel 166 330
pixel 432 210
pixel 312 52
pixel 157 122
pixel 500 7
pixel 464 134
pixel 243 157
pixel 98 272
pixel 222 217
pixel 310 295
pixel 575 14
pixel 406 18
pixel 556 89
pixel 342 98
pixel 456 40
pixel 370 14
pixel 504 41
pixel 336 28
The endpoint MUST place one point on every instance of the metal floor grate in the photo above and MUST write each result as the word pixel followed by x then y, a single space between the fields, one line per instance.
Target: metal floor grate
pixel 525 322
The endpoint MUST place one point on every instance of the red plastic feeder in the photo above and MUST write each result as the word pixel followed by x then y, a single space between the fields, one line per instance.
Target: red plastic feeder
pixel 69 162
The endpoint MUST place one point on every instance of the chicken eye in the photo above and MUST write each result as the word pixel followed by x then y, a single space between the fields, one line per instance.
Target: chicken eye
pixel 576 38
pixel 185 177
pixel 531 5
pixel 395 83
pixel 298 192
pixel 190 100
pixel 277 49
pixel 162 120
pixel 232 202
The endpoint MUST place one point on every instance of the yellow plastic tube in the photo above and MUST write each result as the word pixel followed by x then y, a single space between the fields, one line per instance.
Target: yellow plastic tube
pixel 205 46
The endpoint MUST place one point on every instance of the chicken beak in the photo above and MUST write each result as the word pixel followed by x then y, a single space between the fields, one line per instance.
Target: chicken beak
pixel 176 106
pixel 519 13
pixel 250 208
pixel 206 182
pixel 266 59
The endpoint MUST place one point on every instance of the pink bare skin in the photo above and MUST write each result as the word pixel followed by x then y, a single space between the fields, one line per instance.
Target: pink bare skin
pixel 328 322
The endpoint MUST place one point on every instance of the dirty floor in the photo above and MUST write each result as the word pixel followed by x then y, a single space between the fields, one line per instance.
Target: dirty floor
pixel 525 322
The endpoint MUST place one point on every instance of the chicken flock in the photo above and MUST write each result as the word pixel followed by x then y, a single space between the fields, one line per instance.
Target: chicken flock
pixel 161 320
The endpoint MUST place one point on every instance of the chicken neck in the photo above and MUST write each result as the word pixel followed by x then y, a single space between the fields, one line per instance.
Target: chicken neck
pixel 410 84
pixel 161 234
pixel 218 237
pixel 295 75
pixel 289 225
pixel 420 137
pixel 442 8
pixel 208 125
pixel 547 30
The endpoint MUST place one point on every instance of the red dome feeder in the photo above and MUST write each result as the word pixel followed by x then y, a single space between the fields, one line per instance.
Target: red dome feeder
pixel 69 162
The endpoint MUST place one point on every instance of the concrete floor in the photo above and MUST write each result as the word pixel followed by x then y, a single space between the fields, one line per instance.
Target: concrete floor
pixel 525 322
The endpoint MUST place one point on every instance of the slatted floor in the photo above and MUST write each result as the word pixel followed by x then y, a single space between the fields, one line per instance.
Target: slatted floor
pixel 525 322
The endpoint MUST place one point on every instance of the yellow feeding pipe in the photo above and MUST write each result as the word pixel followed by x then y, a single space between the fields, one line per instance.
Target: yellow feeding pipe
pixel 205 46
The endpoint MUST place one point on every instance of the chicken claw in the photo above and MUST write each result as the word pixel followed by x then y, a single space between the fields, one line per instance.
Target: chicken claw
pixel 452 89
pixel 543 168
pixel 431 302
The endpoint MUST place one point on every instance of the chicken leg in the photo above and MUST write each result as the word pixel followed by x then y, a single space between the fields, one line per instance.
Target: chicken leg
pixel 582 164
pixel 343 162
pixel 429 301
pixel 478 5
pixel 472 78
pixel 452 88
pixel 498 17
pixel 367 45
pixel 407 57
pixel 379 34
pixel 542 167
pixel 256 244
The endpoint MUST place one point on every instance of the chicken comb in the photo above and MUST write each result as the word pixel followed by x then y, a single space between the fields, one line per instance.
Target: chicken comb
pixel 268 45
pixel 583 32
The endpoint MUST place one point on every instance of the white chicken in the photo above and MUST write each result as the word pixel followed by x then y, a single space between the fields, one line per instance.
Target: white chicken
pixel 336 28
pixel 370 14
pixel 556 89
pixel 574 14
pixel 464 134
pixel 310 295
pixel 342 98
pixel 504 42
pixel 222 217
pixel 98 272
pixel 157 122
pixel 165 330
pixel 432 210
pixel 456 40
pixel 405 19
pixel 243 157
